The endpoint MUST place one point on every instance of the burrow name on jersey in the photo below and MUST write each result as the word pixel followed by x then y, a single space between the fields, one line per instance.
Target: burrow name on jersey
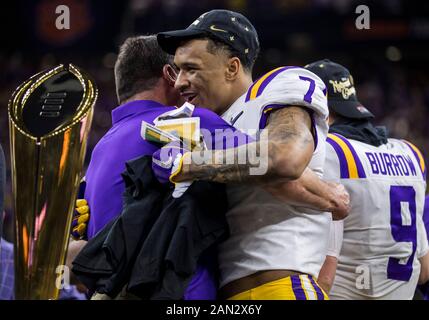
pixel 383 163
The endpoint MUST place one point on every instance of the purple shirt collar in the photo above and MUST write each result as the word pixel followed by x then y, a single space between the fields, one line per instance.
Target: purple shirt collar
pixel 131 108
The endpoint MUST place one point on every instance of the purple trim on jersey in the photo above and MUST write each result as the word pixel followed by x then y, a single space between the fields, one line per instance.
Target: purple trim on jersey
pixel 297 288
pixel 417 159
pixel 270 78
pixel 344 169
pixel 266 82
pixel 314 131
pixel 361 171
pixel 264 117
pixel 251 87
pixel 426 216
pixel 320 295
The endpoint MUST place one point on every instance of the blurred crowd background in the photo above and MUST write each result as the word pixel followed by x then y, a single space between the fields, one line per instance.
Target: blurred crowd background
pixel 389 61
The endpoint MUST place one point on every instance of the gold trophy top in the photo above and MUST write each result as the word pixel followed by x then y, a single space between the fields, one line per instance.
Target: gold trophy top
pixel 25 92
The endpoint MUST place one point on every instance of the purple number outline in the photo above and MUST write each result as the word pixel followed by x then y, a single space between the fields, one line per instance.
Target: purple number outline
pixel 401 233
pixel 310 91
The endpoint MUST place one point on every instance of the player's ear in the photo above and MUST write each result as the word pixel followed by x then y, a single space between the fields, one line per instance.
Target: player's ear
pixel 233 67
pixel 169 74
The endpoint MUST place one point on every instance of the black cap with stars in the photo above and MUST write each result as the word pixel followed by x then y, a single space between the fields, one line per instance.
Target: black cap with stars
pixel 231 28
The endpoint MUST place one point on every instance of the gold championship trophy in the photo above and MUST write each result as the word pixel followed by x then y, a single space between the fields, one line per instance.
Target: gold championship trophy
pixel 49 120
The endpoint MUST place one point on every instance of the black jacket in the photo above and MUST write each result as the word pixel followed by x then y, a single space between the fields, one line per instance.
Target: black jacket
pixel 154 245
pixel 360 130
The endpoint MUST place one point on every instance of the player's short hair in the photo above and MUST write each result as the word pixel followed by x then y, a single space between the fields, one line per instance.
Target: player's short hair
pixel 215 46
pixel 139 66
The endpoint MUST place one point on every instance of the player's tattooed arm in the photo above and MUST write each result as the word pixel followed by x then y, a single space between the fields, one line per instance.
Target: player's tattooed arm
pixel 284 153
pixel 312 192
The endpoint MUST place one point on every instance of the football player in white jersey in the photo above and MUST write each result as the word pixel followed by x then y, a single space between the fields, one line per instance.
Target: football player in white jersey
pixel 275 249
pixel 381 248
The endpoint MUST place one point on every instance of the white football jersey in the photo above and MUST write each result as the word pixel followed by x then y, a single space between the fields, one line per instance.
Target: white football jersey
pixel 265 233
pixel 384 234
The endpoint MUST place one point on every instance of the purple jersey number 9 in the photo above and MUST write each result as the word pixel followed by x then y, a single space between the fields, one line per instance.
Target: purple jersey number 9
pixel 307 96
pixel 400 196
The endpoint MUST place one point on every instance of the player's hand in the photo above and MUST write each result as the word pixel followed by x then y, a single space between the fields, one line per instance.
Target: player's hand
pixel 167 162
pixel 80 220
pixel 341 201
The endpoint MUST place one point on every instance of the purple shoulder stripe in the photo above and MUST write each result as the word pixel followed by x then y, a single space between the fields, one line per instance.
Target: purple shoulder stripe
pixel 359 166
pixel 344 170
pixel 263 81
pixel 270 78
pixel 419 157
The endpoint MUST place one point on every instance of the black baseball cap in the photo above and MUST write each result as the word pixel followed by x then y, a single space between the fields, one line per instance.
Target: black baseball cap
pixel 231 28
pixel 342 97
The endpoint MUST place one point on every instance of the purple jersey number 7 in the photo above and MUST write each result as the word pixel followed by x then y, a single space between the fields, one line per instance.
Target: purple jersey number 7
pixel 402 233
pixel 307 97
